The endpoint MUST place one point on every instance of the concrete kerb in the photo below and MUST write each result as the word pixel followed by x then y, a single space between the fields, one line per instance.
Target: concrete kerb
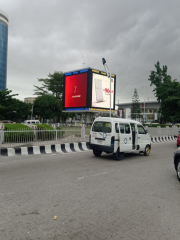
pixel 46 149
pixel 162 139
pixel 66 147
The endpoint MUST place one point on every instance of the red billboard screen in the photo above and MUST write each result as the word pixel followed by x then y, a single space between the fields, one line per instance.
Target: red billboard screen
pixel 75 90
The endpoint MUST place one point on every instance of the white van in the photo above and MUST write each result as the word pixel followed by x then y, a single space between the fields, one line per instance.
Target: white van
pixel 119 136
pixel 31 122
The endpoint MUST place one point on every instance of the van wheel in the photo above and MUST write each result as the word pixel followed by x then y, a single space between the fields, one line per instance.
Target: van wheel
pixel 147 151
pixel 178 170
pixel 97 153
pixel 119 155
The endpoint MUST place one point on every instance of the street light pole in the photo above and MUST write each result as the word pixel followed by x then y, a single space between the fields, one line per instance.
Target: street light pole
pixel 32 112
pixel 144 104
pixel 105 66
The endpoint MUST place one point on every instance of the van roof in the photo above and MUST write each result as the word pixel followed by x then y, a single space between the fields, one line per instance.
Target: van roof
pixel 108 119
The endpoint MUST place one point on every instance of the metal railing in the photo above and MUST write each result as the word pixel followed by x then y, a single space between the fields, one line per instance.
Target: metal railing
pixel 11 138
pixel 168 131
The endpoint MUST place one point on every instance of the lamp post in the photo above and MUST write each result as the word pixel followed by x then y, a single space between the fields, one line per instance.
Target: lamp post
pixel 144 104
pixel 32 113
pixel 106 67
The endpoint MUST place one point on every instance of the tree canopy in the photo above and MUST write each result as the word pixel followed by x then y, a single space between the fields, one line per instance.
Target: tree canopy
pixel 135 107
pixel 53 85
pixel 47 106
pixel 12 108
pixel 167 92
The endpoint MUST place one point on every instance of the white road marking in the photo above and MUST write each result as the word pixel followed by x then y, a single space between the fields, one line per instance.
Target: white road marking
pixel 98 174
pixel 2 194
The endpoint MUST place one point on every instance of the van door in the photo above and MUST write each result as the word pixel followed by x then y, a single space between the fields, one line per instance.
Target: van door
pixel 101 133
pixel 134 135
pixel 143 138
pixel 125 137
pixel 116 137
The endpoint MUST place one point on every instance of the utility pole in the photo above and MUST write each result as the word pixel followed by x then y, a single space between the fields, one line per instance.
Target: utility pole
pixel 108 75
pixel 144 104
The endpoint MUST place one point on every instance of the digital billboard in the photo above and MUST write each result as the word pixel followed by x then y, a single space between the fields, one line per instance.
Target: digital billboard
pixel 76 90
pixel 101 91
pixel 88 90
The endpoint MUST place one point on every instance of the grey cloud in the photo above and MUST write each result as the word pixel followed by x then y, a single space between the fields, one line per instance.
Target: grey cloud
pixel 47 36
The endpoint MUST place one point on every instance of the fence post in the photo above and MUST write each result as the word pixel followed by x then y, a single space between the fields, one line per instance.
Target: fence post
pixel 167 130
pixel 83 131
pixel 1 134
pixel 159 130
pixel 34 127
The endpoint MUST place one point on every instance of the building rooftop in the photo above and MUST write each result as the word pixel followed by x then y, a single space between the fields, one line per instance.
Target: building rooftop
pixel 127 103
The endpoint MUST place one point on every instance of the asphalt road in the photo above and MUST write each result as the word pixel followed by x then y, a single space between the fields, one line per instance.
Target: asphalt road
pixel 93 198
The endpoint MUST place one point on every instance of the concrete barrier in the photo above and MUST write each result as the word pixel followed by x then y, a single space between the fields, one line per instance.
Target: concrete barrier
pixel 46 149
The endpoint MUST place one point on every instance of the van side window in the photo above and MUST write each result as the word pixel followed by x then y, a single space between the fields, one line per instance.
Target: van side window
pixel 141 129
pixel 127 128
pixel 122 128
pixel 117 127
pixel 33 121
pixel 28 122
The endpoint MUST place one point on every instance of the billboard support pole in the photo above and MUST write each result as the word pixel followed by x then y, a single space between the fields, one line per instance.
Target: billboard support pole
pixel 105 65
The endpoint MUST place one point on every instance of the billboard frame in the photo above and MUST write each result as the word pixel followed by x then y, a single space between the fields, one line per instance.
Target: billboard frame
pixel 88 106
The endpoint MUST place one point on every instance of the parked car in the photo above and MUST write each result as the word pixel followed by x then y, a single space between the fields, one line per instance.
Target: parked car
pixel 149 123
pixel 6 121
pixel 177 162
pixel 178 140
pixel 176 124
pixel 31 122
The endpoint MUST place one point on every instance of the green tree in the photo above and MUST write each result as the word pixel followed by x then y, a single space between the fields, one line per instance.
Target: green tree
pixel 167 92
pixel 47 107
pixel 53 85
pixel 12 108
pixel 135 106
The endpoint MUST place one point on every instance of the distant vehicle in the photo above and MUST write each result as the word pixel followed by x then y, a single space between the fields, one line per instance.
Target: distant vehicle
pixel 118 136
pixel 31 122
pixel 169 123
pixel 178 140
pixel 176 124
pixel 149 123
pixel 6 121
pixel 177 162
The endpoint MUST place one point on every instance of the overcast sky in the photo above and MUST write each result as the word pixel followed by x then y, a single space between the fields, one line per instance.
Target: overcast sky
pixel 58 35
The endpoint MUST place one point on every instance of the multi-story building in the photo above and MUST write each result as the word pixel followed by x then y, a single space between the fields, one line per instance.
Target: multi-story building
pixel 149 110
pixel 3 49
pixel 29 100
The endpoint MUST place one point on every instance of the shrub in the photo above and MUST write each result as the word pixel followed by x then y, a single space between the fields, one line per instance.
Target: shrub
pixel 44 126
pixel 18 133
pixel 60 134
pixel 47 132
pixel 16 126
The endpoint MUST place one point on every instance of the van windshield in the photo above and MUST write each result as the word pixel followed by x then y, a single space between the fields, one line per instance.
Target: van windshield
pixel 102 127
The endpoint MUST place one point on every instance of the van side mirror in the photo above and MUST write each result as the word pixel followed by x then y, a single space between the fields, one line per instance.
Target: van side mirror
pixel 146 131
